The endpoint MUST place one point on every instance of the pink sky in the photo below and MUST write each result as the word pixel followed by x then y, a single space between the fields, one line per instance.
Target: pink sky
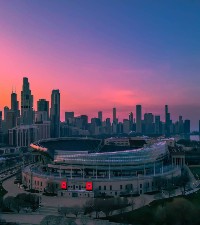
pixel 92 77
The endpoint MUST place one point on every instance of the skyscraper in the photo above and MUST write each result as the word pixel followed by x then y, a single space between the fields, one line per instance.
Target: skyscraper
pixel 14 113
pixel 6 110
pixel 187 126
pixel 100 116
pixel 148 122
pixel 26 103
pixel 55 114
pixel 167 122
pixel 138 118
pixel 43 106
pixel 69 116
pixel 131 120
pixel 14 103
pixel 1 131
pixel 199 126
pixel 114 115
pixel 158 129
pixel 181 125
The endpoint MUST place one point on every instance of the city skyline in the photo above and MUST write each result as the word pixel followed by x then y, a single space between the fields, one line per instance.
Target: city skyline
pixel 104 55
pixel 42 112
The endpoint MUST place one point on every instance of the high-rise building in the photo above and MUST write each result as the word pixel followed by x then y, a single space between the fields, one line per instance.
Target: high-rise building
pixel 187 126
pixel 13 114
pixel 26 103
pixel 148 122
pixel 199 126
pixel 84 122
pixel 1 130
pixel 43 106
pixel 15 104
pixel 131 120
pixel 138 118
pixel 11 120
pixel 114 115
pixel 158 129
pixel 69 116
pixel 6 110
pixel 181 125
pixel 100 116
pixel 126 126
pixel 167 122
pixel 55 114
pixel 40 116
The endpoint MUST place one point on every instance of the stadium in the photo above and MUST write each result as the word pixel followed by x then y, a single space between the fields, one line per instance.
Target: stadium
pixel 86 167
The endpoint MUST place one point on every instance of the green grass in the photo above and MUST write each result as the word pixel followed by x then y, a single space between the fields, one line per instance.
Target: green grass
pixel 146 213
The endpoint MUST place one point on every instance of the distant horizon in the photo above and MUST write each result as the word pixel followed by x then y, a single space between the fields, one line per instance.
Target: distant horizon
pixel 104 54
pixel 122 113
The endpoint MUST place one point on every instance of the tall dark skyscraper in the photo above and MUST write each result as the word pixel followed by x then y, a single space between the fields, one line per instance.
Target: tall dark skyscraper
pixel 6 110
pixel 131 120
pixel 138 118
pixel 158 129
pixel 114 115
pixel 68 116
pixel 43 106
pixel 199 126
pixel 14 102
pixel 187 126
pixel 55 114
pixel 148 121
pixel 1 131
pixel 100 116
pixel 167 121
pixel 15 105
pixel 26 103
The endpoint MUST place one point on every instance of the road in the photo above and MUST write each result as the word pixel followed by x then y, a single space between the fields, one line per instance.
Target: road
pixel 23 218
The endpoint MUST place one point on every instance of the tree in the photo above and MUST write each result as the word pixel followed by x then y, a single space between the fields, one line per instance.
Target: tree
pixel 64 211
pixel 98 206
pixel 132 202
pixel 8 201
pixel 21 201
pixel 107 206
pixel 170 189
pixel 57 220
pixel 179 211
pixel 123 204
pixel 1 202
pixel 75 210
pixel 88 207
pixel 159 183
pixel 51 188
pixel 183 180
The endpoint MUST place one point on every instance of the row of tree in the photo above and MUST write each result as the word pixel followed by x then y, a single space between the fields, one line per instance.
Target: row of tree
pixel 97 205
pixel 21 201
pixel 170 184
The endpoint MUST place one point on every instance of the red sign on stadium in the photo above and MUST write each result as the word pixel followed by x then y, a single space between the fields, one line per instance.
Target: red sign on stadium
pixel 89 186
pixel 63 185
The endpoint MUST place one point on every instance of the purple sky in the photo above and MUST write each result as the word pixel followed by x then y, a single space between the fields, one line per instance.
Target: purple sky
pixel 104 54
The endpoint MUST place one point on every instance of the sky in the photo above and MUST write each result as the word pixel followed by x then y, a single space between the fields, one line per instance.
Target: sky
pixel 104 54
